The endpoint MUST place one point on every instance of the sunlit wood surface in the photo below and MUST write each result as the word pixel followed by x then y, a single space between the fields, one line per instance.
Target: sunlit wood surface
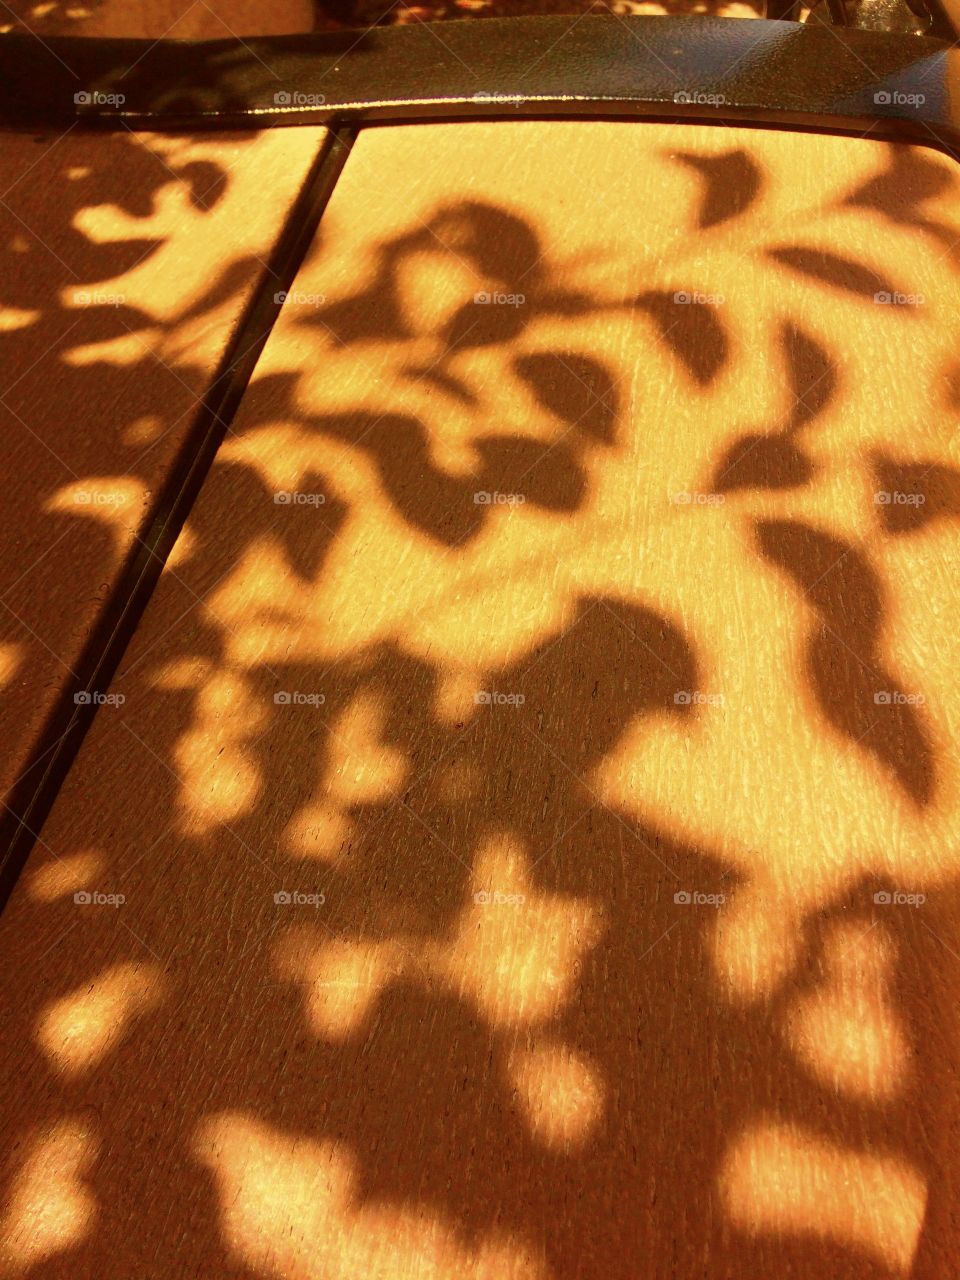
pixel 528 845
pixel 117 302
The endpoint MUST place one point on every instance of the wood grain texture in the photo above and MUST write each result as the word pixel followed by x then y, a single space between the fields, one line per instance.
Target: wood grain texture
pixel 535 804
pixel 159 19
pixel 126 264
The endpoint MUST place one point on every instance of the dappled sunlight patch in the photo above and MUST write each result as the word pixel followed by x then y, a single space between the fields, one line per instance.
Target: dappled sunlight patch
pixel 11 657
pixel 64 876
pixel 847 1030
pixel 182 550
pixel 281 454
pixel 455 700
pixel 182 674
pixel 432 288
pixel 363 768
pixel 12 318
pixel 341 980
pixel 144 430
pixel 318 831
pixel 218 772
pixel 49 1209
pixel 258 606
pixel 289 1208
pixel 516 950
pixel 755 944
pixel 561 1094
pixel 110 500
pixel 779 1180
pixel 77 1031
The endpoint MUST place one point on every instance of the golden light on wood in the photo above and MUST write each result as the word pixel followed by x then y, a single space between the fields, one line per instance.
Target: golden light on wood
pixel 542 741
pixel 780 1180
pixel 79 1029
pixel 290 1209
pixel 49 1208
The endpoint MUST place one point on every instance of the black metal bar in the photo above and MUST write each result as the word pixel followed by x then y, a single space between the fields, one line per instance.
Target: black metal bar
pixel 759 72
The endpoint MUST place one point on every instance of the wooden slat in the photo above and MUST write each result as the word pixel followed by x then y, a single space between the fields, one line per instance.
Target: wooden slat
pixel 480 1032
pixel 127 263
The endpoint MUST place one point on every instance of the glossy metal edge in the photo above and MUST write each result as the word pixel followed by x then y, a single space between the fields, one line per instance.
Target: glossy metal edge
pixel 754 72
